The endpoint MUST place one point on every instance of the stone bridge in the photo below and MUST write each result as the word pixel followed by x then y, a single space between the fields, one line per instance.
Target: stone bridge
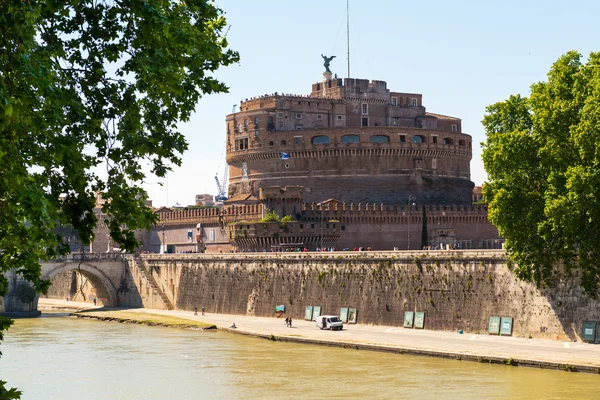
pixel 119 280
pixel 105 271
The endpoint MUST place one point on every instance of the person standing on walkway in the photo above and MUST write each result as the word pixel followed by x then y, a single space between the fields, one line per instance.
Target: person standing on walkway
pixel 202 310
pixel 195 310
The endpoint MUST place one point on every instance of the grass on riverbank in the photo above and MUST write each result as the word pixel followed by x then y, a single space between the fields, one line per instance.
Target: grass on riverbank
pixel 127 316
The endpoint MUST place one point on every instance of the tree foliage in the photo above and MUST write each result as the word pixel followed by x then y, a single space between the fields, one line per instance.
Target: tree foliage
pixel 271 216
pixel 91 93
pixel 542 156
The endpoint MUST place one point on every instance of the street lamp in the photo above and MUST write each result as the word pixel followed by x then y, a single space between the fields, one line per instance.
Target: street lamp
pixel 163 247
pixel 322 226
pixel 411 200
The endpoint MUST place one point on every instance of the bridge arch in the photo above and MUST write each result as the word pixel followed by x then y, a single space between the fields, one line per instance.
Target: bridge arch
pixel 105 288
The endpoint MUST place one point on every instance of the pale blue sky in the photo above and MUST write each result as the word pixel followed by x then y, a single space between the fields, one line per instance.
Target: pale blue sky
pixel 461 55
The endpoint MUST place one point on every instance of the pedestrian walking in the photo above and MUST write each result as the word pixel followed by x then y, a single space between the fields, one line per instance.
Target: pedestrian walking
pixel 287 321
pixel 290 322
pixel 202 310
pixel 195 310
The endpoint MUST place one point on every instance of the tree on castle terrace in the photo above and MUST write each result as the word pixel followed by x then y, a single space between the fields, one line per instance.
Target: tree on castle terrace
pixel 89 86
pixel 542 156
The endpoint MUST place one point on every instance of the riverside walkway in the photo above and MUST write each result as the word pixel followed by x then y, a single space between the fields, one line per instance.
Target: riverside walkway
pixel 541 353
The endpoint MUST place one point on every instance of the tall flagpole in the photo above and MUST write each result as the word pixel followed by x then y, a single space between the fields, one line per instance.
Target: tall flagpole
pixel 348 35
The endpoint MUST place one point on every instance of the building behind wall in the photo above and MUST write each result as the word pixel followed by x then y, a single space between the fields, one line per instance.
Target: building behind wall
pixel 353 163
pixel 352 140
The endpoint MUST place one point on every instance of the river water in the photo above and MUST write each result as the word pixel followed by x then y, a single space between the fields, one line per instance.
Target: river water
pixel 57 357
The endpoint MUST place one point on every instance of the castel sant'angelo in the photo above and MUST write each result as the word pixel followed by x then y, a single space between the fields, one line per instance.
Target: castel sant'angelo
pixel 354 164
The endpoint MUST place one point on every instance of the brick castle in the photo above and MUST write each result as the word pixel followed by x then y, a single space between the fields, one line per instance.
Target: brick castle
pixel 353 164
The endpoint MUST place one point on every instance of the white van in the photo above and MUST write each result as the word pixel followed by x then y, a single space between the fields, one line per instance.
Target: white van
pixel 332 322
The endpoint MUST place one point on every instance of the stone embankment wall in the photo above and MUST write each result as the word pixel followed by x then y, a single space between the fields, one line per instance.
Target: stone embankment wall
pixel 457 290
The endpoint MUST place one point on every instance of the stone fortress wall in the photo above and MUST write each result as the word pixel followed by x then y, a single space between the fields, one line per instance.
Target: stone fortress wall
pixel 379 226
pixel 456 290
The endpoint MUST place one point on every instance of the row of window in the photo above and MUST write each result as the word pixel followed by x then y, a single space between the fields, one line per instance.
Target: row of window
pixel 413 101
pixel 242 144
pixel 319 116
pixel 322 139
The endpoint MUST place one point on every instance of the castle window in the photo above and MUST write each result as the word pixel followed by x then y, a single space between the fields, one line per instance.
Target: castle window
pixel 340 117
pixel 414 101
pixel 280 124
pixel 379 139
pixel 279 115
pixel 312 226
pixel 297 139
pixel 280 103
pixel 241 144
pixel 255 120
pixel 418 139
pixel 365 121
pixel 394 101
pixel 298 115
pixel 256 133
pixel 402 138
pixel 365 109
pixel 271 144
pixel 320 140
pixel 245 123
pixel 319 117
pixel 454 128
pixel 448 141
pixel 283 142
pixel 461 142
pixel 343 228
pixel 350 139
pixel 434 139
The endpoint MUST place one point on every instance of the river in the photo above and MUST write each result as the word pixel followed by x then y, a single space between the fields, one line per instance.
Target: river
pixel 62 358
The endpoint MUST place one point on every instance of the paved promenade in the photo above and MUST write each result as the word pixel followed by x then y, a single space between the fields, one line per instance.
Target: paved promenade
pixel 528 352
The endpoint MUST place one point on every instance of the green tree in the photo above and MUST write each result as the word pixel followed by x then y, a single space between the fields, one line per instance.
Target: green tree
pixel 271 216
pixel 542 156
pixel 25 293
pixel 91 93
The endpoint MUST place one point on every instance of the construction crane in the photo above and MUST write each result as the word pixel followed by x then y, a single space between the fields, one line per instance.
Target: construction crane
pixel 221 186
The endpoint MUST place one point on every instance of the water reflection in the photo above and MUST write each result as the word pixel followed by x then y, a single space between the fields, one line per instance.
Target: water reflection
pixel 63 358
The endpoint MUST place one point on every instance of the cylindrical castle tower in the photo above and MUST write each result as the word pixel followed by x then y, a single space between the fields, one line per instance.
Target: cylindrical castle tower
pixel 352 140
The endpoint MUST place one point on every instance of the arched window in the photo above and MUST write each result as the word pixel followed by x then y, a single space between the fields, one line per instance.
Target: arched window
pixel 320 140
pixel 418 139
pixel 379 139
pixel 271 143
pixel 350 139
pixel 461 142
pixel 448 141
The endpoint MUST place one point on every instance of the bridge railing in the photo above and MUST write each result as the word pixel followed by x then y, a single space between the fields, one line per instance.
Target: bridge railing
pixel 76 257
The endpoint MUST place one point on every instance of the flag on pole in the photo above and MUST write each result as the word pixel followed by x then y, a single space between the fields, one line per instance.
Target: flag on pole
pixel 284 156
